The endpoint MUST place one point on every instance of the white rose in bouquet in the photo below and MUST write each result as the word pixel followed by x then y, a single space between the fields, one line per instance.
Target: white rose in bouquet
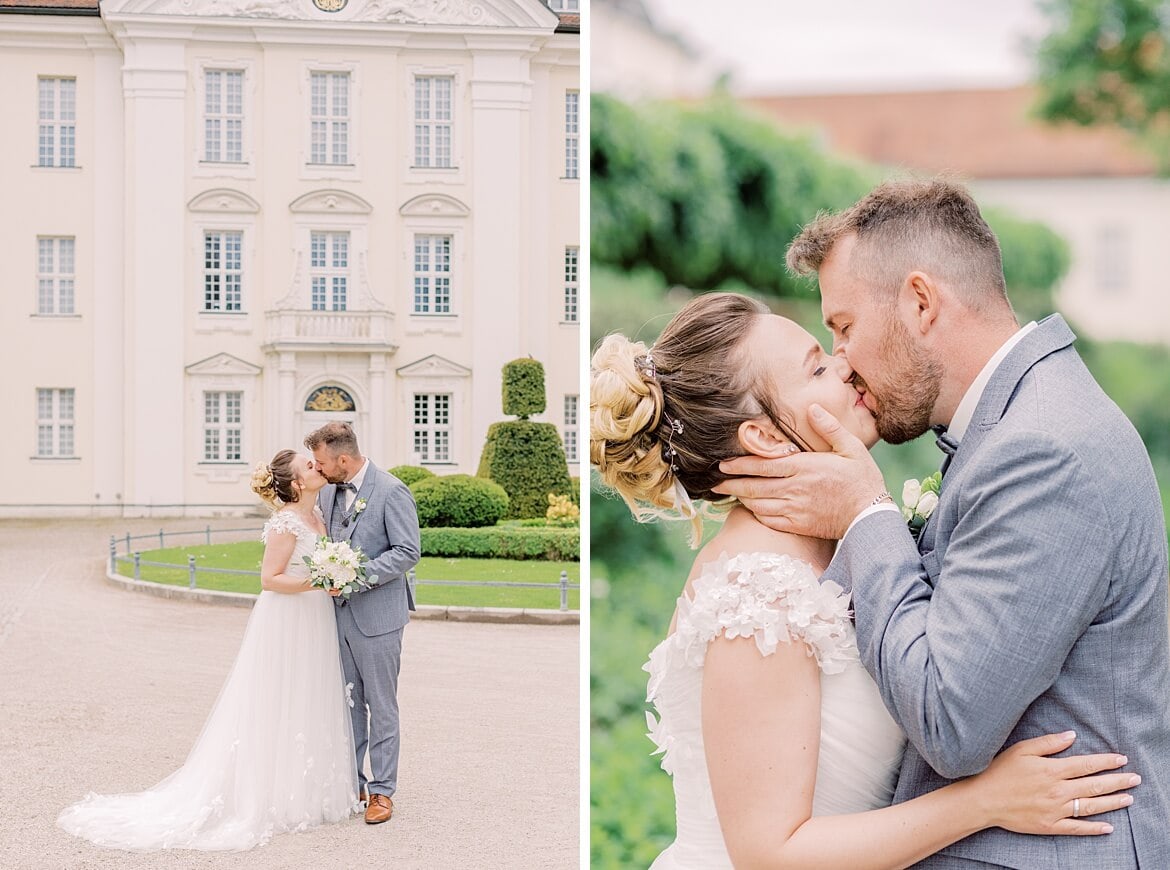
pixel 336 566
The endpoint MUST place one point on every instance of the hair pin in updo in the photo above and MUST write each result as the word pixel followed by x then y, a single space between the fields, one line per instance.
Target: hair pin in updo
pixel 668 452
pixel 646 363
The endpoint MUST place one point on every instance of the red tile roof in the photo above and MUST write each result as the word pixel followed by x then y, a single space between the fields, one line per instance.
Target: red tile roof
pixel 979 133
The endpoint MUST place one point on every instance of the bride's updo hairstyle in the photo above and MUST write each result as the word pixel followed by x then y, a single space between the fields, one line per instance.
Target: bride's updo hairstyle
pixel 273 481
pixel 662 418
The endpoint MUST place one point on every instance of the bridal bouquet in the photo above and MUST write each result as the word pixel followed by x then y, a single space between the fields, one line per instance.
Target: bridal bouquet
pixel 337 565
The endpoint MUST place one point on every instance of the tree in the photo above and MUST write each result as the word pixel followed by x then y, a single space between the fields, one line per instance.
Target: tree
pixel 526 458
pixel 1107 62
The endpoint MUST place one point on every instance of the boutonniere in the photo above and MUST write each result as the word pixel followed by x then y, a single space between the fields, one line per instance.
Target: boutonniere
pixel 919 499
pixel 358 507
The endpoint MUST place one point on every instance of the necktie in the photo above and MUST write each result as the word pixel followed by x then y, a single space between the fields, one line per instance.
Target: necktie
pixel 946 443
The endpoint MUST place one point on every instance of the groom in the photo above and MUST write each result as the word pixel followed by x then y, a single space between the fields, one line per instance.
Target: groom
pixel 1035 598
pixel 375 511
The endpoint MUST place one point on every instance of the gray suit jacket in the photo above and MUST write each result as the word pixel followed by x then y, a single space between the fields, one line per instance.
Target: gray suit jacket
pixel 387 532
pixel 1034 602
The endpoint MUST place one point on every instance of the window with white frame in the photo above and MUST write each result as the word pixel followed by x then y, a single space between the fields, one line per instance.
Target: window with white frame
pixel 432 274
pixel 223 116
pixel 572 133
pixel 55 275
pixel 57 114
pixel 432 121
pixel 223 271
pixel 222 425
pixel 431 433
pixel 54 422
pixel 1113 259
pixel 329 270
pixel 571 286
pixel 329 118
pixel 570 431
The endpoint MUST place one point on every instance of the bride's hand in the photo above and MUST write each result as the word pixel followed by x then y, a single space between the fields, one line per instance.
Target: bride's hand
pixel 1025 792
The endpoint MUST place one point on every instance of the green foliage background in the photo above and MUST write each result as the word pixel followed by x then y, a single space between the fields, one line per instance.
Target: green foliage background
pixel 707 196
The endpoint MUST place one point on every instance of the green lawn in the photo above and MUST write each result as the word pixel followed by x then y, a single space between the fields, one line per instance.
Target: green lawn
pixel 245 556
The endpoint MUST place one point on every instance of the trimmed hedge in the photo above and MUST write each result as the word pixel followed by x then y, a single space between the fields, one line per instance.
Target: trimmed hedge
pixel 459 500
pixel 528 460
pixel 523 388
pixel 411 474
pixel 503 542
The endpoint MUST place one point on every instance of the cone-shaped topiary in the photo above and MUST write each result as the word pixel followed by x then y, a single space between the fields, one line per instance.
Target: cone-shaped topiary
pixel 526 458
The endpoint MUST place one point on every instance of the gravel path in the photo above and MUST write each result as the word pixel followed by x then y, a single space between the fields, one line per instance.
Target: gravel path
pixel 101 690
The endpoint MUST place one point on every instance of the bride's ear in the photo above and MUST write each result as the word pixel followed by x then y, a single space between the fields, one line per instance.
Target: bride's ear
pixel 760 438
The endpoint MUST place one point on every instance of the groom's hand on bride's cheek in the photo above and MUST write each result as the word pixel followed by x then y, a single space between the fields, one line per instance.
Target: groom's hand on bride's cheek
pixel 816 494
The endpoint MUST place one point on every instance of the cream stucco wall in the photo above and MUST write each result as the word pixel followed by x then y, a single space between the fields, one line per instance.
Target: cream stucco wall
pixel 140 351
pixel 1117 286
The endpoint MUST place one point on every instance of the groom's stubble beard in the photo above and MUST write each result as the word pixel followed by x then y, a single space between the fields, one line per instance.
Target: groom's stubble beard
pixel 908 388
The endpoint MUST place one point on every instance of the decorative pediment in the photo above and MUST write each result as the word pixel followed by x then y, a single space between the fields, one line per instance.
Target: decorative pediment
pixel 223 200
pixel 330 202
pixel 223 364
pixel 433 366
pixel 484 13
pixel 434 205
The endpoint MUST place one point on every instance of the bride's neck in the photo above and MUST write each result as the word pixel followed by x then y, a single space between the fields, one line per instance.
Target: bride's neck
pixel 304 507
pixel 742 532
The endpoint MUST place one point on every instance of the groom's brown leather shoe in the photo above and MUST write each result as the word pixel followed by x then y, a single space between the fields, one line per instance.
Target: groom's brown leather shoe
pixel 379 810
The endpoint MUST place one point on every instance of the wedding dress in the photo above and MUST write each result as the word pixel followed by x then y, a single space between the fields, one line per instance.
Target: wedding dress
pixel 775 599
pixel 276 752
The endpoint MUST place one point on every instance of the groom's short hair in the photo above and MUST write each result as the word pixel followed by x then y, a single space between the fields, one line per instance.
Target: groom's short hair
pixel 338 437
pixel 931 225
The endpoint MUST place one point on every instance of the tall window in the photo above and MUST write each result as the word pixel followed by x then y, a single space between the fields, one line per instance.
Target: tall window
pixel 432 427
pixel 222 429
pixel 329 110
pixel 432 121
pixel 570 433
pixel 55 276
pixel 223 116
pixel 572 132
pixel 54 422
pixel 57 132
pixel 222 271
pixel 329 270
pixel 432 274
pixel 1113 259
pixel 571 298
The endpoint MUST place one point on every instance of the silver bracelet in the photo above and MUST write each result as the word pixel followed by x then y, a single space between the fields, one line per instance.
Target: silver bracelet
pixel 884 496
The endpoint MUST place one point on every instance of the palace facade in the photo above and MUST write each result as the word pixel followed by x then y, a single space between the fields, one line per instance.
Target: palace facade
pixel 225 222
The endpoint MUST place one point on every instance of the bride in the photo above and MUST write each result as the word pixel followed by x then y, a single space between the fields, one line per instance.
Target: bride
pixel 781 751
pixel 276 751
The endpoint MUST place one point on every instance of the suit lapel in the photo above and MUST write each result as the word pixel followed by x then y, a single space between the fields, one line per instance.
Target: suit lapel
pixel 365 492
pixel 1051 334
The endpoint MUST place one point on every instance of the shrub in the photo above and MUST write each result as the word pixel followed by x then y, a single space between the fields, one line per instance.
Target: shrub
pixel 459 500
pixel 503 542
pixel 561 511
pixel 523 388
pixel 411 474
pixel 527 459
pixel 576 493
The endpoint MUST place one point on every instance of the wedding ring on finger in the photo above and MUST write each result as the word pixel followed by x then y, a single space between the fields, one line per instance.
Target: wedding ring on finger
pixel 1076 808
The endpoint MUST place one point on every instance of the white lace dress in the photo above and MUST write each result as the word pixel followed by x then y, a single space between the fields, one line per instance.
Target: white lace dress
pixel 775 599
pixel 276 752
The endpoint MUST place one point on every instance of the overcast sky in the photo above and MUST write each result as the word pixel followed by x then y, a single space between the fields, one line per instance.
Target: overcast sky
pixel 778 46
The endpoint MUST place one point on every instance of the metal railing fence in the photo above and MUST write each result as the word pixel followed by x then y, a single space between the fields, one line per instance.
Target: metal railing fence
pixel 134 557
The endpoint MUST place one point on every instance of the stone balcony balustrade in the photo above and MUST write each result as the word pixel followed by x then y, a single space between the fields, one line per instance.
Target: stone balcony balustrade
pixel 358 331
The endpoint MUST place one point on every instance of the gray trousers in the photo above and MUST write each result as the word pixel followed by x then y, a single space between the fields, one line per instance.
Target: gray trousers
pixel 371 665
